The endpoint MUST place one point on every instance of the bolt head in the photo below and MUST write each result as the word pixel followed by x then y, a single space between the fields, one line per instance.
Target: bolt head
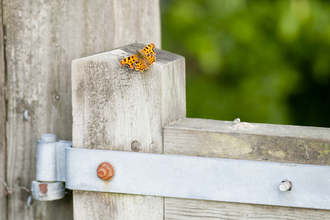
pixel 285 186
pixel 105 171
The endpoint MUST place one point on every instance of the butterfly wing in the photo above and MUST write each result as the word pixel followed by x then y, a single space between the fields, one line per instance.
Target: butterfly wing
pixel 141 65
pixel 149 49
pixel 151 59
pixel 129 61
pixel 149 54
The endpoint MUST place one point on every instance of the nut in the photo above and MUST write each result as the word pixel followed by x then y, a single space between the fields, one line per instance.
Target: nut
pixel 105 171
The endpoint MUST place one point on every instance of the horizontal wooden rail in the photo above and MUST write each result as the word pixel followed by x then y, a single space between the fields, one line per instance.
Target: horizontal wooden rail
pixel 262 142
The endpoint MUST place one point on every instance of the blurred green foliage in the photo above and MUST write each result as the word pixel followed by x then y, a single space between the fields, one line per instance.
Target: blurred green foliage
pixel 264 61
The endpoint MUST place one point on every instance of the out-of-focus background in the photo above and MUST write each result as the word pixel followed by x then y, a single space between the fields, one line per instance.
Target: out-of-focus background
pixel 265 61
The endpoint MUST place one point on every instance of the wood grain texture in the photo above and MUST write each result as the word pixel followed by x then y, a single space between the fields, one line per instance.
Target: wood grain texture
pixel 115 108
pixel 42 38
pixel 3 197
pixel 183 209
pixel 124 206
pixel 262 142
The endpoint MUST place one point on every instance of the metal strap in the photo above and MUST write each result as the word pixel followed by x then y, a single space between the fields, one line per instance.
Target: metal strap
pixel 200 178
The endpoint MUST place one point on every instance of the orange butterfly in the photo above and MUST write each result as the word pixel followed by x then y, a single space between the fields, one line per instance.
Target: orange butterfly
pixel 140 60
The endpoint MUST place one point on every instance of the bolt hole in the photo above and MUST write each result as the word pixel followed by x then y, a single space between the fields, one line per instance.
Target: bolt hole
pixel 135 146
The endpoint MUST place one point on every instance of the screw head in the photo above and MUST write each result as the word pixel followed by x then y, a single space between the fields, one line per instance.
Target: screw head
pixel 105 171
pixel 26 115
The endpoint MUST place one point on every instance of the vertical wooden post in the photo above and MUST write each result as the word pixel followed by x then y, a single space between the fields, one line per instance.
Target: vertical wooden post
pixel 115 108
pixel 42 39
pixel 3 198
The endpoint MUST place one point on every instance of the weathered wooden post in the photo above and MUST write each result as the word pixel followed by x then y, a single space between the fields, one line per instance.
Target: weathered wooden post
pixel 3 202
pixel 115 108
pixel 41 40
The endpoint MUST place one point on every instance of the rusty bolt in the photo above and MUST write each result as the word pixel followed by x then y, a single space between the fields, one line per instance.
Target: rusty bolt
pixel 105 171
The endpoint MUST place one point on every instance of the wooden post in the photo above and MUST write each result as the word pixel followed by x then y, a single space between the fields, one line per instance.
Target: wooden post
pixel 42 39
pixel 115 108
pixel 3 199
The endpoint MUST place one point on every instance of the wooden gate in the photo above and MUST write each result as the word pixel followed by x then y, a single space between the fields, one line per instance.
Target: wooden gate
pixel 115 108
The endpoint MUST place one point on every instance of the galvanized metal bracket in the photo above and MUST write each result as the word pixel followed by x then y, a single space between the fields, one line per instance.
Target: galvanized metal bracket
pixel 51 168
pixel 268 183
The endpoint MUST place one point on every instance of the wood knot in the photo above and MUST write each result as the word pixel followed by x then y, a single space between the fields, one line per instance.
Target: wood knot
pixel 105 171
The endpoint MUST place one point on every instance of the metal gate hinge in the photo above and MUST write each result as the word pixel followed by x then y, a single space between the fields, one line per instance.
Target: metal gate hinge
pixel 51 167
pixel 241 181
